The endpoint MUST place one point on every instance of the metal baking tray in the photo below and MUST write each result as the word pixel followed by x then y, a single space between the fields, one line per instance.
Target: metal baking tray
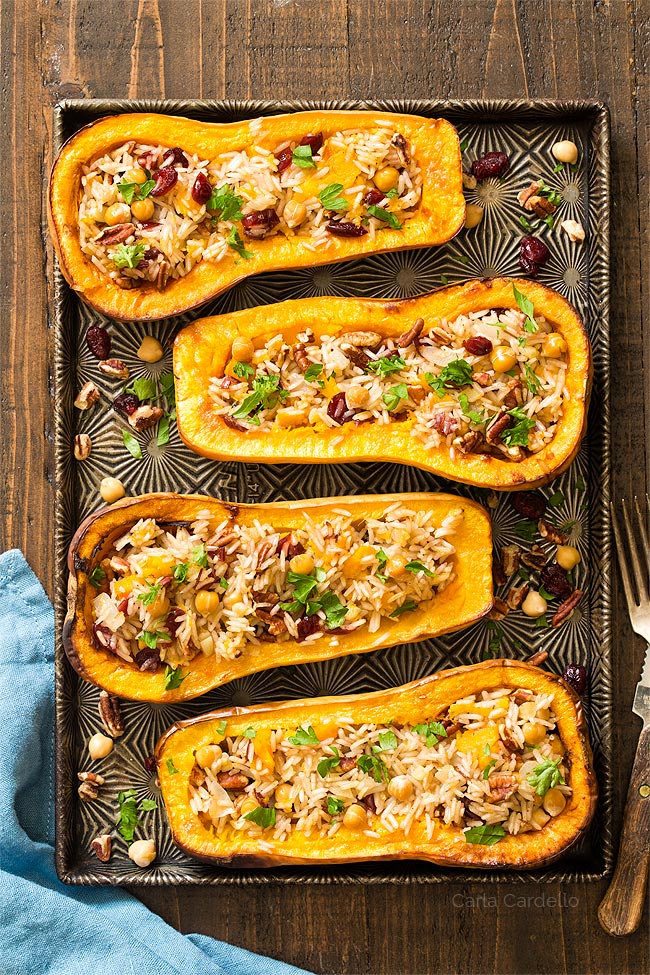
pixel 526 130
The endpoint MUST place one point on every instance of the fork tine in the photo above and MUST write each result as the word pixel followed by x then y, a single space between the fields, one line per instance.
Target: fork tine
pixel 622 562
pixel 642 530
pixel 640 574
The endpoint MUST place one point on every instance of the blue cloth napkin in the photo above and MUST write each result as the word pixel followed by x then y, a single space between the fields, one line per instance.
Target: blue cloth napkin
pixel 48 928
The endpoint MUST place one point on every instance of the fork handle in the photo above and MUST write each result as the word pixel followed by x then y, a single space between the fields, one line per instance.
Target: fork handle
pixel 621 908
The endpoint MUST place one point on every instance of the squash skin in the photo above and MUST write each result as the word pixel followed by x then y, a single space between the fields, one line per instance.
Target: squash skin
pixel 411 703
pixel 202 350
pixel 440 217
pixel 465 600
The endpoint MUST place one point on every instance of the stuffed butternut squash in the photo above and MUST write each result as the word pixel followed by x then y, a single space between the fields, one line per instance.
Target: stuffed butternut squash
pixel 170 595
pixel 481 766
pixel 485 382
pixel 152 215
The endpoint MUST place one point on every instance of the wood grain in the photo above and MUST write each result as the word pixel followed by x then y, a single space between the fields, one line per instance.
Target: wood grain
pixel 298 48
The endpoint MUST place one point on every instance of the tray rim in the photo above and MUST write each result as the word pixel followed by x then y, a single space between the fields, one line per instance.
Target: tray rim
pixel 483 110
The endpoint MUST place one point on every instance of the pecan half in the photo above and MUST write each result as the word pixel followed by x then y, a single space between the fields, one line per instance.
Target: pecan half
pixel 469 181
pixel 347 763
pixel 101 846
pixel 87 397
pixel 406 338
pixel 197 777
pixel 444 422
pixel 91 782
pixel 522 695
pixel 538 658
pixel 516 596
pixel 145 416
pixel 514 396
pixel 498 574
pixel 302 359
pixel 114 368
pixel 360 340
pixel 468 443
pixel 497 426
pixel 110 714
pixel 233 424
pixel 358 358
pixel 508 741
pixel 566 608
pixel 525 195
pixel 483 379
pixel 535 559
pixel 82 446
pixel 402 148
pixel 116 235
pixel 540 206
pixel 232 780
pixel 554 534
pixel 162 275
pixel 510 559
pixel 126 283
pixel 499 609
pixel 502 787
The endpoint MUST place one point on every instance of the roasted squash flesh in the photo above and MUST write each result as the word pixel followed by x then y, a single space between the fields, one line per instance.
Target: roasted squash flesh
pixel 133 608
pixel 230 822
pixel 461 411
pixel 246 233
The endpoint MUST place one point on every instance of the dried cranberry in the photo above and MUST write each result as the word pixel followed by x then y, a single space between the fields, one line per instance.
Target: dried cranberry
pixel 201 189
pixel 103 637
pixel 147 659
pixel 150 764
pixel 152 253
pixel 478 345
pixel 147 159
pixel 315 141
pixel 529 267
pixel 164 180
pixel 126 403
pixel 555 581
pixel 338 410
pixel 307 625
pixel 343 228
pixel 259 224
pixel 533 249
pixel 576 676
pixel 172 621
pixel 491 164
pixel 530 504
pixel 284 158
pixel 99 341
pixel 373 197
pixel 368 803
pixel 174 157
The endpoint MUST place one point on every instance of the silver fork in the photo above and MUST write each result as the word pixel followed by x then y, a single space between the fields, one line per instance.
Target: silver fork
pixel 622 906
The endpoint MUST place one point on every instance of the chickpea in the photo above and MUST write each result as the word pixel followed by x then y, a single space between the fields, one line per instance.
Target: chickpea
pixel 557 748
pixel 142 209
pixel 283 798
pixel 302 564
pixel 206 602
pixel 142 852
pixel 396 566
pixel 473 216
pixel 355 817
pixel 567 556
pixel 111 489
pixel 135 175
pixel 117 213
pixel 534 605
pixel 566 151
pixel 294 213
pixel 357 396
pixel 207 755
pixel 386 179
pixel 242 349
pixel 534 734
pixel 400 788
pixel 539 818
pixel 150 349
pixel 248 805
pixel 554 345
pixel 554 802
pixel 503 358
pixel 160 605
pixel 99 746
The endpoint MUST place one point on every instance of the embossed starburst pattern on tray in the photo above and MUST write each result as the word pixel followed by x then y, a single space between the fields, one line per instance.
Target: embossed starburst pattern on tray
pixel 526 131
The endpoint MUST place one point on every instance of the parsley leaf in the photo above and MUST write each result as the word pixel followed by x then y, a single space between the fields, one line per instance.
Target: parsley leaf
pixel 180 571
pixel 488 768
pixel 436 383
pixel 432 731
pixel 128 256
pixel 326 765
pixel 334 806
pixel 174 678
pixel 382 558
pixel 150 638
pixel 162 437
pixel 132 445
pixel 302 157
pixel 532 381
pixel 416 566
pixel 263 816
pixel 526 529
pixel 221 729
pixel 149 596
pixel 392 194
pixel 456 373
pixel 243 370
pixel 464 144
pixel 171 768
pixel 335 611
pixel 375 766
pixel 486 835
pixel 331 199
pixel 144 388
pixel 313 371
pixel 200 556
pixel 305 737
pixel 267 394
pixel 546 775
pixel 517 435
pixel 136 191
pixel 129 807
pixel 525 304
pixel 250 732
pixel 386 365
pixel 386 216
pixel 556 500
pixel 395 395
pixel 237 244
pixel 541 623
pixel 97 576
pixel 305 584
pixel 226 201
pixel 387 741
pixel 474 416
pixel 223 583
pixel 406 607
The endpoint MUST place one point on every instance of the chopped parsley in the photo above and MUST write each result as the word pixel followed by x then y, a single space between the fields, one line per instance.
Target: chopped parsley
pixel 395 395
pixel 97 576
pixel 488 768
pixel 305 737
pixel 406 607
pixel 382 558
pixel 128 256
pixel 334 806
pixel 392 194
pixel 525 304
pixel 162 437
pixel 223 583
pixel 267 394
pixel 494 643
pixel 263 816
pixel 386 216
pixel 144 388
pixel 533 383
pixel 580 483
pixel 313 371
pixel 221 729
pixel 546 776
pixel 132 445
pixel 171 768
pixel 127 819
pixel 326 765
pixel 335 611
pixel 416 566
pixel 386 365
pixel 525 223
pixel 474 416
pixel 526 529
pixel 486 835
pixel 556 500
pixel 243 370
pixel 149 596
pixel 444 279
pixel 302 157
pixel 464 144
pixel 200 556
pixel 432 732
pixel 457 373
pixel 150 638
pixel 542 623
pixel 174 678
pixel 375 766
pixel 136 191
pixel 387 741
pixel 250 732
pixel 235 242
pixel 517 435
pixel 331 198
pixel 180 571
pixel 227 203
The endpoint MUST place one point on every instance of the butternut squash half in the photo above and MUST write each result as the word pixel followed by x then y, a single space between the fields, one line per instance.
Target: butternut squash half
pixel 203 351
pixel 439 215
pixel 420 706
pixel 464 600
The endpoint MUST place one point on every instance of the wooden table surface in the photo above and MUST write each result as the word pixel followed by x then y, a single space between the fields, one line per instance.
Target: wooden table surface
pixel 322 49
